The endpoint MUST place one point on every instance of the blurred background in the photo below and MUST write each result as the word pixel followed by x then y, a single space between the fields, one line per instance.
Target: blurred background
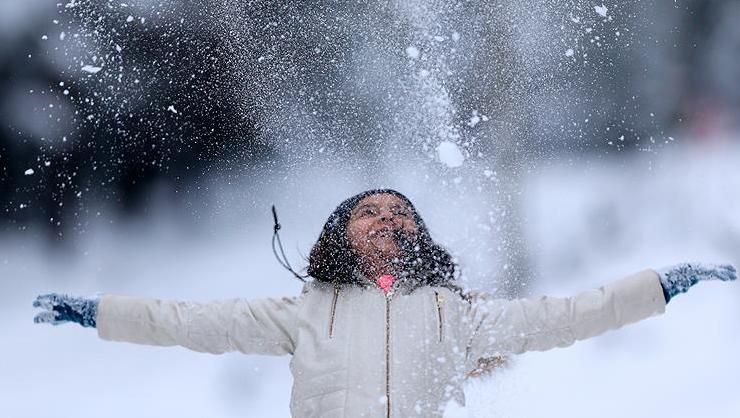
pixel 550 146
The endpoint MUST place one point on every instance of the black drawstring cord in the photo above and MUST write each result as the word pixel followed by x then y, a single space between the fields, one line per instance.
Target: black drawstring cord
pixel 276 237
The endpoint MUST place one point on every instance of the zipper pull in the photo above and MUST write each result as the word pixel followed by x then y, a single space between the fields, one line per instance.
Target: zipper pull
pixel 333 311
pixel 440 299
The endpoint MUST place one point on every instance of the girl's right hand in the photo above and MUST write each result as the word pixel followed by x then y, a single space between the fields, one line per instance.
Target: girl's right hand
pixel 58 309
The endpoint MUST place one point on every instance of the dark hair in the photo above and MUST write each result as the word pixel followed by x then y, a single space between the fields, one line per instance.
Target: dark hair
pixel 424 263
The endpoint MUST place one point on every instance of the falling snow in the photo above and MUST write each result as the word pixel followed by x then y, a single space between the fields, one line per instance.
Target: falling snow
pixel 91 69
pixel 450 154
pixel 412 52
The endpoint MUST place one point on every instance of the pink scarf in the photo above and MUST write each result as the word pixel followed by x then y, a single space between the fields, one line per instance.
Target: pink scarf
pixel 385 282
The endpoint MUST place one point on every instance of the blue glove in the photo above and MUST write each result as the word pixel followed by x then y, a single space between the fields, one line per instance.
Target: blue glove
pixel 678 278
pixel 59 309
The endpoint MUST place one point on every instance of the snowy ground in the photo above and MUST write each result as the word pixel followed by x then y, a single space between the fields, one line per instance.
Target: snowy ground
pixel 586 222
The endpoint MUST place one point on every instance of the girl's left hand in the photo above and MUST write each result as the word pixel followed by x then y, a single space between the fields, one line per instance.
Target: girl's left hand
pixel 678 278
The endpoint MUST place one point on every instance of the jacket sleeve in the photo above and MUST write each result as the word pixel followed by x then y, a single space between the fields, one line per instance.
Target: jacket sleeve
pixel 262 326
pixel 502 327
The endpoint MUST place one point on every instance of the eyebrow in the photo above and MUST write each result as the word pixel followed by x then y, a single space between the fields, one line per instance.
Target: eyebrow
pixel 373 205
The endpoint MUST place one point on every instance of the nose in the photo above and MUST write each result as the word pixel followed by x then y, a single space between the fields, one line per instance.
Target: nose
pixel 388 215
pixel 385 214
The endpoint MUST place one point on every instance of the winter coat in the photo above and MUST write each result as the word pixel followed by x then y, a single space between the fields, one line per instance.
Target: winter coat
pixel 360 353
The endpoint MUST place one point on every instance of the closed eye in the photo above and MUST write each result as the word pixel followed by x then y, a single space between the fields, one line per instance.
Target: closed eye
pixel 366 210
pixel 400 211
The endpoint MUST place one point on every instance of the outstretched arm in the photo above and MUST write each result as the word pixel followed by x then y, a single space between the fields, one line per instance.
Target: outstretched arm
pixel 517 326
pixel 261 326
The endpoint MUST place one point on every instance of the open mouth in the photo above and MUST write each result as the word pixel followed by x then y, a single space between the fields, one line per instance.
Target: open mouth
pixel 381 232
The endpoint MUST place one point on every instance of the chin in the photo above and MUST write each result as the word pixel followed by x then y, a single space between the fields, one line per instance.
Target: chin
pixel 389 252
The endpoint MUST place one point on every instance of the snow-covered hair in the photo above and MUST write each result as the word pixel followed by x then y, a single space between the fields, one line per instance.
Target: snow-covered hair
pixel 332 259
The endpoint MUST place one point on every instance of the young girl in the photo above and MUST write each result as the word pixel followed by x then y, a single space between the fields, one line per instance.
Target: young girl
pixel 382 329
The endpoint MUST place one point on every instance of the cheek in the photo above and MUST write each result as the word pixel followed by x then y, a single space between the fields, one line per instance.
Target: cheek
pixel 356 233
pixel 409 226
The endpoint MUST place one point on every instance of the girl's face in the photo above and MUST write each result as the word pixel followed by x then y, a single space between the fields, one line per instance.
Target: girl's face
pixel 372 224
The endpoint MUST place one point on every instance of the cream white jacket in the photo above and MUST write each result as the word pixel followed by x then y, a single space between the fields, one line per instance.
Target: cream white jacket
pixel 359 353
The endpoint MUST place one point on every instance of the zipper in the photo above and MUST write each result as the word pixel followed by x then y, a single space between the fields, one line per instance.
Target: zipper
pixel 388 352
pixel 440 319
pixel 333 311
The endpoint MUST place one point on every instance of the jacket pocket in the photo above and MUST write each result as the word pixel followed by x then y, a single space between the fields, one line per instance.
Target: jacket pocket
pixel 439 302
pixel 333 311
